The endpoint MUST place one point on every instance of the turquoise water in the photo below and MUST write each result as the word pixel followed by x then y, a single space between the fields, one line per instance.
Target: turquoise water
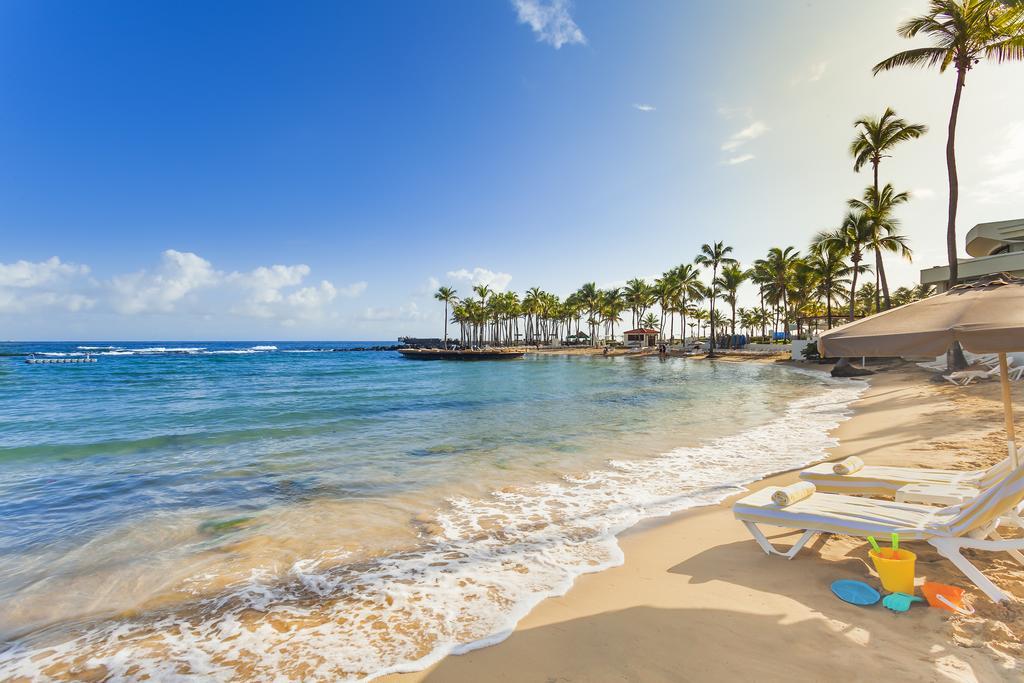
pixel 203 497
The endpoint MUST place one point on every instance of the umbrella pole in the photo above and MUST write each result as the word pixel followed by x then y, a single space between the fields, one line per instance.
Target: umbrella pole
pixel 1004 378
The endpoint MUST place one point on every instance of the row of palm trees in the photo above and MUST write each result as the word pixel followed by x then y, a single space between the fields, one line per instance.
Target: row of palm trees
pixel 791 287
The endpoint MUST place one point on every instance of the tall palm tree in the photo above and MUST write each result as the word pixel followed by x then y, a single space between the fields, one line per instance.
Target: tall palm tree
pixel 447 295
pixel 851 237
pixel 874 138
pixel 730 280
pixel 690 290
pixel 964 32
pixel 879 207
pixel 713 255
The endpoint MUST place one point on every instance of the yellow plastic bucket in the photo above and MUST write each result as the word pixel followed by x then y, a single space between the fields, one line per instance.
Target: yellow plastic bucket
pixel 896 569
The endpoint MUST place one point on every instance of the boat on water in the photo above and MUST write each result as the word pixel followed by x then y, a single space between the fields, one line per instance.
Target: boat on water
pixel 461 354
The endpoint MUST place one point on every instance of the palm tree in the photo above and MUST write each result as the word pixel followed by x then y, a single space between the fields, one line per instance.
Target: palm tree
pixel 713 255
pixel 879 207
pixel 851 237
pixel 827 260
pixel 447 295
pixel 690 290
pixel 649 321
pixel 777 268
pixel 730 280
pixel 590 296
pixel 964 32
pixel 701 316
pixel 874 138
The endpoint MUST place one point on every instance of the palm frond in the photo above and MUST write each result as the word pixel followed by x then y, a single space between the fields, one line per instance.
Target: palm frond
pixel 921 56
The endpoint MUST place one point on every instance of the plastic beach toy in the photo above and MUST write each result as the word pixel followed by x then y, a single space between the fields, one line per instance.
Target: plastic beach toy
pixel 895 567
pixel 855 592
pixel 945 597
pixel 900 602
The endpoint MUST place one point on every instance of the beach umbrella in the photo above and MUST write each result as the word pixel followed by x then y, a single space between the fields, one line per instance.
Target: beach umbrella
pixel 986 316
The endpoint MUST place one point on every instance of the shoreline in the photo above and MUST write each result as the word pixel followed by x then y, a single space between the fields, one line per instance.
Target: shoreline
pixel 648 618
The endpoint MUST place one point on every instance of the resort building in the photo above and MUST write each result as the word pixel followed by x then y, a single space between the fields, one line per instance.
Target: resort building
pixel 643 336
pixel 994 247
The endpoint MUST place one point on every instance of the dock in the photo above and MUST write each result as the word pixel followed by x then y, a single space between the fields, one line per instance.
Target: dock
pixel 59 361
pixel 464 354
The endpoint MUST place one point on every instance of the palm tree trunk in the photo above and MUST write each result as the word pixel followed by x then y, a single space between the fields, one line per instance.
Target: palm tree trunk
pixel 879 268
pixel 878 282
pixel 853 285
pixel 954 185
pixel 828 304
pixel 445 340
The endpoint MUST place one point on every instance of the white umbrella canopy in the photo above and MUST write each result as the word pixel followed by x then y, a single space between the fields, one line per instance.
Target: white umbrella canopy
pixel 986 316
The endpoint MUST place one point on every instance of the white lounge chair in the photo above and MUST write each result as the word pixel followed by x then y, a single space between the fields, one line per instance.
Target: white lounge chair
pixel 879 480
pixel 949 529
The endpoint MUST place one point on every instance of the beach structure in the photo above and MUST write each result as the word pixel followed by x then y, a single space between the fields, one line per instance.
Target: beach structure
pixel 462 354
pixel 985 317
pixel 35 360
pixel 642 336
pixel 994 248
pixel 949 530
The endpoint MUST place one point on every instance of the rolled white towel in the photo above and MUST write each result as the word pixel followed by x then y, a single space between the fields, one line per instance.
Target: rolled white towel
pixel 787 495
pixel 848 465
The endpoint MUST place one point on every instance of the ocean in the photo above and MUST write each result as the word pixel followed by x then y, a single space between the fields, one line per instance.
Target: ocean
pixel 284 510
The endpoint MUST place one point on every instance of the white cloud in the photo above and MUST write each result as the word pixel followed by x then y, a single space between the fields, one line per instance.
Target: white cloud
pixel 644 107
pixel 25 274
pixel 33 285
pixel 1005 181
pixel 741 137
pixel 550 21
pixel 732 161
pixel 182 283
pixel 312 298
pixel 923 193
pixel 1000 189
pixel 353 290
pixel 811 75
pixel 410 312
pixel 482 276
pixel 179 274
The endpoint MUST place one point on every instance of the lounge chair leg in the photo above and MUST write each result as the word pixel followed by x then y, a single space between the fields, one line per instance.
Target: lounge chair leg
pixel 1015 554
pixel 950 549
pixel 767 546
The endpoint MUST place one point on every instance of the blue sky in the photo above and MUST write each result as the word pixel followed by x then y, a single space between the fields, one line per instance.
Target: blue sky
pixel 258 170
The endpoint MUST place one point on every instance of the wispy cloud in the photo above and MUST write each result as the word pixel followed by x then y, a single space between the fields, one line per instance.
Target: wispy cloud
pixel 811 75
pixel 922 193
pixel 550 21
pixel 1006 177
pixel 740 159
pixel 481 276
pixel 739 138
pixel 643 107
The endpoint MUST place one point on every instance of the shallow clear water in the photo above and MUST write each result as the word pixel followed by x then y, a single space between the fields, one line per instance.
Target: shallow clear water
pixel 269 510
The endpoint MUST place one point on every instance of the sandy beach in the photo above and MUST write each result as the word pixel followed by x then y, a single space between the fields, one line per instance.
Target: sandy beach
pixel 695 590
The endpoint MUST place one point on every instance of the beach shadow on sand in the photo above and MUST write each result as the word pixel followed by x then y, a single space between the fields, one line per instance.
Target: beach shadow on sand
pixel 652 644
pixel 810 635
